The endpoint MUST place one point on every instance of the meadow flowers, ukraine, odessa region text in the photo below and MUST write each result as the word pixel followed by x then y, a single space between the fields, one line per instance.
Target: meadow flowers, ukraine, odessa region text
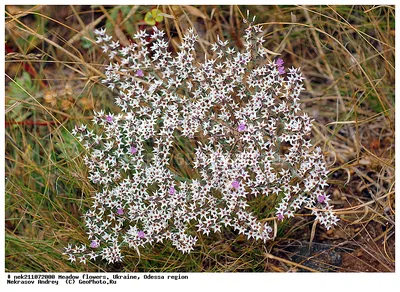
pixel 241 116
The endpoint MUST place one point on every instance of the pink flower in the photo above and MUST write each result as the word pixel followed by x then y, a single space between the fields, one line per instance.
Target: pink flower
pixel 242 127
pixel 281 70
pixel 321 198
pixel 109 119
pixel 133 150
pixel 140 234
pixel 94 244
pixel 280 216
pixel 172 190
pixel 235 184
pixel 120 211
pixel 139 73
pixel 279 62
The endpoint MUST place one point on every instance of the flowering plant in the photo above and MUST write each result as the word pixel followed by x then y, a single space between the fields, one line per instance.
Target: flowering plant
pixel 242 120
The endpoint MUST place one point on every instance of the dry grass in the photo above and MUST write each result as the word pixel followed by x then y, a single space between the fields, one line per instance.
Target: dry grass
pixel 52 73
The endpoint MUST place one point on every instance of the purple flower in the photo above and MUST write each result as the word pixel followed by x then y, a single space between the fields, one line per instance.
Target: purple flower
pixel 139 73
pixel 120 211
pixel 242 127
pixel 235 184
pixel 133 149
pixel 94 244
pixel 280 216
pixel 109 119
pixel 140 234
pixel 172 190
pixel 279 62
pixel 321 198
